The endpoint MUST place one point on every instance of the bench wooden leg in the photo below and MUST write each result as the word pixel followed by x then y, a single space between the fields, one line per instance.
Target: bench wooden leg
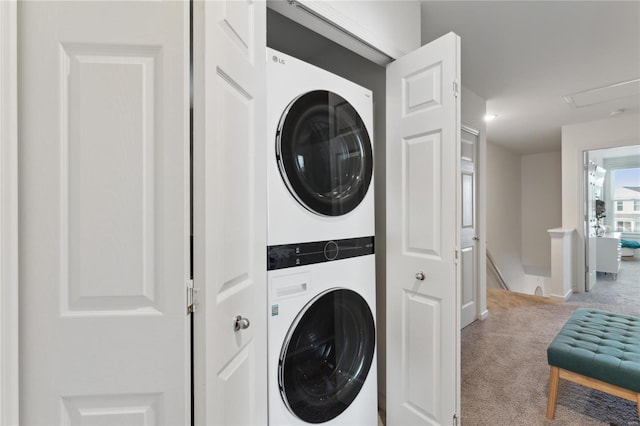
pixel 554 381
pixel 555 374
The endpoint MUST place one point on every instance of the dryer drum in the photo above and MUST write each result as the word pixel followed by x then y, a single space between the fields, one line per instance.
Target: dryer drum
pixel 324 153
pixel 327 355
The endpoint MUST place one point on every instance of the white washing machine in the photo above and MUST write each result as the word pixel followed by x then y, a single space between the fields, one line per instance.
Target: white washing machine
pixel 322 339
pixel 319 154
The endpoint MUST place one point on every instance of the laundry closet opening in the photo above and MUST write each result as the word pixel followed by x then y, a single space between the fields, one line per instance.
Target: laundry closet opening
pixel 291 38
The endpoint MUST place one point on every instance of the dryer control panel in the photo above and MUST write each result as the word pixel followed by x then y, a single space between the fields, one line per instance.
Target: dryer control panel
pixel 291 255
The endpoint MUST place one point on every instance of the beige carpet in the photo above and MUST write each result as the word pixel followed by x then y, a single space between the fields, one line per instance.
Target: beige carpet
pixel 504 365
pixel 501 300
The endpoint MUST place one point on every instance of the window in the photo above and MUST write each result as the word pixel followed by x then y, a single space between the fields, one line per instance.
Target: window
pixel 625 226
pixel 625 199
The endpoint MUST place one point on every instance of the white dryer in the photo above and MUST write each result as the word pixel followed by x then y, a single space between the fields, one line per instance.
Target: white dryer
pixel 322 339
pixel 319 154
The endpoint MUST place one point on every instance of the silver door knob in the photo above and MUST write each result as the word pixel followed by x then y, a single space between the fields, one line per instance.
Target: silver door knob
pixel 420 276
pixel 476 238
pixel 241 323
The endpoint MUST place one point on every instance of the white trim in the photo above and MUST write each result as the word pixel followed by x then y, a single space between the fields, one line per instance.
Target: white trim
pixel 9 360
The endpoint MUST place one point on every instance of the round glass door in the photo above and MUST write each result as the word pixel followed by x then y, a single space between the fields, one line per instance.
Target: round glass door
pixel 327 355
pixel 324 153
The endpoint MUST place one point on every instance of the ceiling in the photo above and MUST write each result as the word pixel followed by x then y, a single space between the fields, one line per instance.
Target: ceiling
pixel 523 57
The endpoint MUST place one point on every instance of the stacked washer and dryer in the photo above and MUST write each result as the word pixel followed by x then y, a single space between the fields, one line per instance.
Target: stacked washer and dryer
pixel 320 237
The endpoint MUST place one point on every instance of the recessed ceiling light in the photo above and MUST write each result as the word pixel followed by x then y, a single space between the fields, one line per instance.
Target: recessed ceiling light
pixel 490 117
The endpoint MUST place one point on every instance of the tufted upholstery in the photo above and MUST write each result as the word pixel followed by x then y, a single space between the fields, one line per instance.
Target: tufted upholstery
pixel 601 345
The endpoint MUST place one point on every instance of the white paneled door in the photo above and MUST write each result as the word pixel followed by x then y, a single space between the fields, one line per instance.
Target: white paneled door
pixel 423 224
pixel 468 232
pixel 230 212
pixel 104 212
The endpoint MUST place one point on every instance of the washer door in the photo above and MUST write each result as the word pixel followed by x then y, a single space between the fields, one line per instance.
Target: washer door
pixel 327 355
pixel 324 153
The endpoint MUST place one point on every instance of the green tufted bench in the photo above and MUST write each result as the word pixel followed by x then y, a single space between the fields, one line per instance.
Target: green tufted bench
pixel 597 349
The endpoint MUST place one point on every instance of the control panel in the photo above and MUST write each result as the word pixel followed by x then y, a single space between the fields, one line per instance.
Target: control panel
pixel 299 254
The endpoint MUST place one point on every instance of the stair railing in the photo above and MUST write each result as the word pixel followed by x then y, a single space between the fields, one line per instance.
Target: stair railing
pixel 496 271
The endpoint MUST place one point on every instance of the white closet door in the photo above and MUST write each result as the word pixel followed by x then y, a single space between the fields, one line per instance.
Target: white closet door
pixel 104 213
pixel 230 212
pixel 423 224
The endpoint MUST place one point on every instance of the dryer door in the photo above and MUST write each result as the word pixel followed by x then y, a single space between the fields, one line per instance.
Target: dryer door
pixel 324 153
pixel 327 355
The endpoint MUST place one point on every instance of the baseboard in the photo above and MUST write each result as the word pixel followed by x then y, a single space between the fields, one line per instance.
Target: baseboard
pixel 558 298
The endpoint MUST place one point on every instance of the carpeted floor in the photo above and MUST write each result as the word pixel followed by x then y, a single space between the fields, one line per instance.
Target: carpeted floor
pixel 504 364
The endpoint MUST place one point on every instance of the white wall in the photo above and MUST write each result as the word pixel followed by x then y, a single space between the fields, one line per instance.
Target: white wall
pixel 541 204
pixel 523 202
pixel 533 193
pixel 379 25
pixel 375 24
pixel 504 217
pixel 622 130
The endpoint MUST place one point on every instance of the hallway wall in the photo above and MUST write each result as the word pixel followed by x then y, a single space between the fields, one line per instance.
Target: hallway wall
pixel 526 195
pixel 524 200
pixel 504 218
pixel 541 204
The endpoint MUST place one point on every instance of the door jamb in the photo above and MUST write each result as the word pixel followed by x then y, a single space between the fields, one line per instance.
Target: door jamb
pixel 9 350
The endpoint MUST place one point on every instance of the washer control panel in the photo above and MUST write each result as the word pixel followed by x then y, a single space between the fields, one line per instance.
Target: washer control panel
pixel 291 255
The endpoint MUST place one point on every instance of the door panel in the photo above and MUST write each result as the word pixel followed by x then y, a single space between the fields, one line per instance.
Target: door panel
pixel 469 226
pixel 104 204
pixel 108 170
pixel 422 235
pixel 422 333
pixel 421 180
pixel 230 212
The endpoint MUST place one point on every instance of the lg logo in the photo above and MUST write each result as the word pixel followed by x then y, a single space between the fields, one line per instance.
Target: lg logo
pixel 277 60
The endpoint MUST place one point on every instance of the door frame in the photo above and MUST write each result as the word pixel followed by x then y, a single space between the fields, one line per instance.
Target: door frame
pixel 480 199
pixel 9 351
pixel 480 270
pixel 473 109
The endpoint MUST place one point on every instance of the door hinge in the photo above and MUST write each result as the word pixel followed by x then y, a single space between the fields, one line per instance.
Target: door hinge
pixel 193 297
pixel 456 257
pixel 455 88
pixel 455 420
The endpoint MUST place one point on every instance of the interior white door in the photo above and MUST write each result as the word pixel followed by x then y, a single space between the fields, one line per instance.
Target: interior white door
pixel 230 212
pixel 468 231
pixel 423 328
pixel 590 223
pixel 104 213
